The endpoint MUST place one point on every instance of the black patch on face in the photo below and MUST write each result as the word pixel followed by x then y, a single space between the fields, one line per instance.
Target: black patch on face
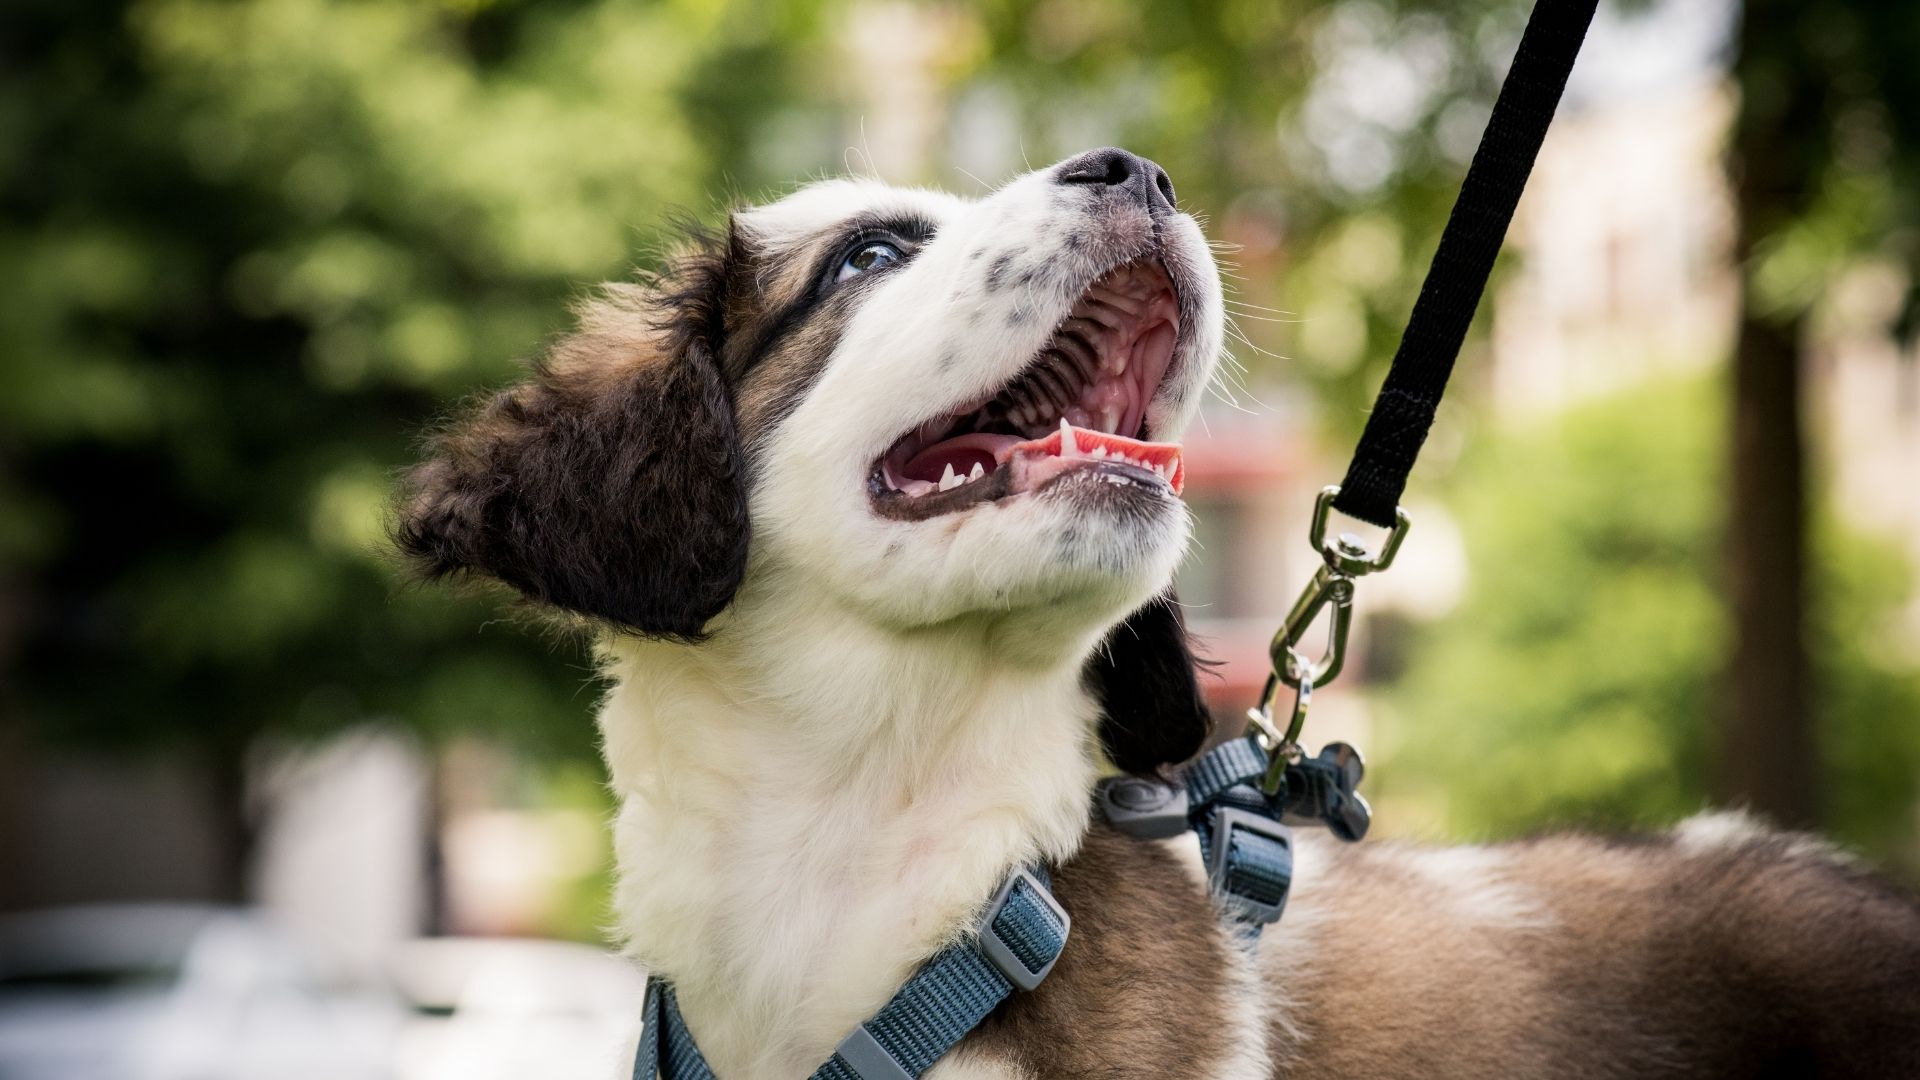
pixel 1144 676
pixel 758 332
pixel 997 272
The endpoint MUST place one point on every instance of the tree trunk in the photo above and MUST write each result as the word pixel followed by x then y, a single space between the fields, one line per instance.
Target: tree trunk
pixel 1767 755
pixel 1767 748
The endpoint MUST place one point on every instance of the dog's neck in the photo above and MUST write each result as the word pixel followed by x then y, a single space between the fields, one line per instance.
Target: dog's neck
pixel 812 804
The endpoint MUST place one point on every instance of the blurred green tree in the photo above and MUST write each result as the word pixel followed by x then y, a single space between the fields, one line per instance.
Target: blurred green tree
pixel 1577 683
pixel 249 249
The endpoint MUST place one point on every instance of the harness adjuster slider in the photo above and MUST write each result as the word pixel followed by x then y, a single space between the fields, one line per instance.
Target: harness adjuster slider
pixel 1227 822
pixel 999 952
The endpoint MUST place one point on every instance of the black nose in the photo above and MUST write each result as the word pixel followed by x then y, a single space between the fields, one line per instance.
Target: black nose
pixel 1115 168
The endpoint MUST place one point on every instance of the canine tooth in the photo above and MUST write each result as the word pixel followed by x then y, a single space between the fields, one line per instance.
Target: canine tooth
pixel 979 471
pixel 1110 419
pixel 949 481
pixel 1067 446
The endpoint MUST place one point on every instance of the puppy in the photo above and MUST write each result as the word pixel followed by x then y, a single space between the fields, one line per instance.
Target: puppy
pixel 876 622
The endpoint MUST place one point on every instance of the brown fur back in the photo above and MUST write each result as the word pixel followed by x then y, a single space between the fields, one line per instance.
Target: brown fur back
pixel 1722 950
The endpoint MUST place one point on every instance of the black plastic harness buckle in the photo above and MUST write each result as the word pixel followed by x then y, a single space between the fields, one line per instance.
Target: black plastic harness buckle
pixel 1144 808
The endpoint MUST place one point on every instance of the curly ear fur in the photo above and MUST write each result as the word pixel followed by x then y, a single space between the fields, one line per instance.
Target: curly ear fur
pixel 1152 712
pixel 609 483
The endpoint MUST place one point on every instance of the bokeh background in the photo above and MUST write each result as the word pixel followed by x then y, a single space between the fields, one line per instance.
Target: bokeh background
pixel 268 809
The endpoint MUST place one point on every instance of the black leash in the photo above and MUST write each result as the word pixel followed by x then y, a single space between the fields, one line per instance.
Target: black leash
pixel 1404 410
pixel 1418 376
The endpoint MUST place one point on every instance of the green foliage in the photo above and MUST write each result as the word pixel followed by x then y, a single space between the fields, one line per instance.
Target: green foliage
pixel 251 248
pixel 1578 684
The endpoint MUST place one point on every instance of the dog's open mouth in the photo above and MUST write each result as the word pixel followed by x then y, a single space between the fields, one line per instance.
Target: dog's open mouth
pixel 1078 408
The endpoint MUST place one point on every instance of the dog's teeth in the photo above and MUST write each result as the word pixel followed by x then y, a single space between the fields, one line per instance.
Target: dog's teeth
pixel 1110 419
pixel 1100 452
pixel 948 480
pixel 979 471
pixel 1067 446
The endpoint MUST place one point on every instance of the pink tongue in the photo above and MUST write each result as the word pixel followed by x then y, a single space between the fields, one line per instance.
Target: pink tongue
pixel 963 453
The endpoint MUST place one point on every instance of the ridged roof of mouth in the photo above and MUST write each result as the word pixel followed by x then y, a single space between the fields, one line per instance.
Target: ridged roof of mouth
pixel 1080 404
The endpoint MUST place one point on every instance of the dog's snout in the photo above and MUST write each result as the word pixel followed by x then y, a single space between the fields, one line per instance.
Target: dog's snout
pixel 1113 167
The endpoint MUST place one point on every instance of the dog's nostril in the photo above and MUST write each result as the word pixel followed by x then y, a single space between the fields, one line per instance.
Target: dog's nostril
pixel 1109 167
pixel 1163 184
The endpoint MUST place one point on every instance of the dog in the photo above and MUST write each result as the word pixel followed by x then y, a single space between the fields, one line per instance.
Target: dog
pixel 872 502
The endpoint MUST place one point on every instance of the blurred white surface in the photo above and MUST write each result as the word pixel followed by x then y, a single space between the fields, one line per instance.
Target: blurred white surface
pixel 172 992
pixel 495 1009
pixel 196 992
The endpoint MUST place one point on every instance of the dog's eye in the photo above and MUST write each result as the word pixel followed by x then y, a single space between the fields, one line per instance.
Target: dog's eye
pixel 871 255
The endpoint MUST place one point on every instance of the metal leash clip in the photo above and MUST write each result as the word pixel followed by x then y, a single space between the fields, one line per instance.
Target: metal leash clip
pixel 1344 559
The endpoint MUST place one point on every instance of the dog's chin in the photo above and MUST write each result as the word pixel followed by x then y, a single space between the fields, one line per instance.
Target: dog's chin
pixel 1043 572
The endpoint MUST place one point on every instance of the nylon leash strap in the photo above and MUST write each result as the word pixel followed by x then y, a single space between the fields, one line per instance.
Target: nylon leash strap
pixel 1458 275
pixel 1404 410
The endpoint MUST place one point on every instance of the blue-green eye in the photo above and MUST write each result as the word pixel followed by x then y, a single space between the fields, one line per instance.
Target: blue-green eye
pixel 871 255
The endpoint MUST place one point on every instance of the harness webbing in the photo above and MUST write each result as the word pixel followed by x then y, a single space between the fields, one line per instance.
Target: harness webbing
pixel 1020 938
pixel 1458 275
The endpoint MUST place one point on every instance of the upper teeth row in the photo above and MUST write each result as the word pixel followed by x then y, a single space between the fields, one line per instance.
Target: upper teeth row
pixel 950 479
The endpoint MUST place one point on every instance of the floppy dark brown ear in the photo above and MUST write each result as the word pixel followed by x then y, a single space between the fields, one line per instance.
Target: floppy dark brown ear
pixel 607 484
pixel 1145 678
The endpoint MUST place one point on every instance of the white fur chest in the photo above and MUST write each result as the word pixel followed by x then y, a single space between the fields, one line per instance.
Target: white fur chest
pixel 787 869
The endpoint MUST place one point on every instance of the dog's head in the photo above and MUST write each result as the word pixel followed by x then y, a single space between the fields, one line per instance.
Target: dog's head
pixel 929 409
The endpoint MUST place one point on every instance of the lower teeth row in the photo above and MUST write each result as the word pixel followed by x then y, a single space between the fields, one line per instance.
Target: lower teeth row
pixel 950 479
